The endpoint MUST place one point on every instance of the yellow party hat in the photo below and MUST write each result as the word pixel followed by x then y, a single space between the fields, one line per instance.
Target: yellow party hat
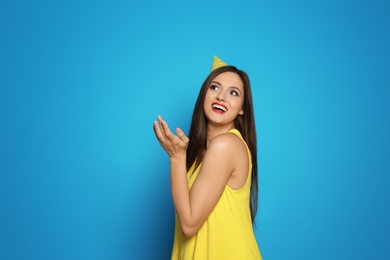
pixel 217 63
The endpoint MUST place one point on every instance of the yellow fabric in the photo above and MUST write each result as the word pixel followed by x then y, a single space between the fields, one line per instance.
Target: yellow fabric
pixel 227 233
pixel 217 63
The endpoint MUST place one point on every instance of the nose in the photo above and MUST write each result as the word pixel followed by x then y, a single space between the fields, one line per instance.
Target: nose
pixel 221 96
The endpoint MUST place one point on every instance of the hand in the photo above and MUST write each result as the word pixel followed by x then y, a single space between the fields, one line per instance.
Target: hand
pixel 175 146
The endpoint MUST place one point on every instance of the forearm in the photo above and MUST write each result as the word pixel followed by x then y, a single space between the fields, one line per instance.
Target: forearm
pixel 176 147
pixel 180 193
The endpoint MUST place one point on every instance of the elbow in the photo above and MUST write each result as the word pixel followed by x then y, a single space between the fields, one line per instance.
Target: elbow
pixel 188 232
pixel 190 227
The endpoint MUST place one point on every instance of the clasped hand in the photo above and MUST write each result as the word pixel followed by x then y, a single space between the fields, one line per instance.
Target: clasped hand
pixel 174 145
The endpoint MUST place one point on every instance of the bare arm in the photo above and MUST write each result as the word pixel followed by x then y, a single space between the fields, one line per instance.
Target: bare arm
pixel 195 205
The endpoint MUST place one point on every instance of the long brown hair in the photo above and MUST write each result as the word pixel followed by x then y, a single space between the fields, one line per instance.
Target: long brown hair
pixel 244 123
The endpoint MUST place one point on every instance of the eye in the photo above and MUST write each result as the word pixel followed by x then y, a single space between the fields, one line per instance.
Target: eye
pixel 234 93
pixel 214 87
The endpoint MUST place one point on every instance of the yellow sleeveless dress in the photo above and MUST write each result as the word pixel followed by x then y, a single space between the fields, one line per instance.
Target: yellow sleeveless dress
pixel 227 234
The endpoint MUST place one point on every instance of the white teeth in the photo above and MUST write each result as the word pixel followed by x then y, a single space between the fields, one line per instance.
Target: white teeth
pixel 219 107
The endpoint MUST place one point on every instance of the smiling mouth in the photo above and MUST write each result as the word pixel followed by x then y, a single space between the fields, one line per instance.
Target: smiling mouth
pixel 219 108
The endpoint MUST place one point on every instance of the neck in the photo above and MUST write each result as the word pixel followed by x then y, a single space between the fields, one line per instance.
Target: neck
pixel 214 130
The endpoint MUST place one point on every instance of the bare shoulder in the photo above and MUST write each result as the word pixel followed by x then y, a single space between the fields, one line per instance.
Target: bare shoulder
pixel 228 143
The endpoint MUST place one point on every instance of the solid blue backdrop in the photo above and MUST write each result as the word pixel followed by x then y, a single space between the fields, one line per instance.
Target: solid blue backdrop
pixel 82 176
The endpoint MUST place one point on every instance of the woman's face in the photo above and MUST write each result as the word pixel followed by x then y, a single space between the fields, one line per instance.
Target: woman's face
pixel 224 99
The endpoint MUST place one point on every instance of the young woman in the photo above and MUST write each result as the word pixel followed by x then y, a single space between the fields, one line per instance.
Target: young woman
pixel 214 171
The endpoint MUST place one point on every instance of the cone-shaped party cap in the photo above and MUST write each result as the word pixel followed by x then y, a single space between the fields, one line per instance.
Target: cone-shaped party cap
pixel 217 63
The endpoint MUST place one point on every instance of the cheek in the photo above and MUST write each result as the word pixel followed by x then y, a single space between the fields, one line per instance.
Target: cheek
pixel 206 103
pixel 242 102
pixel 207 98
pixel 238 103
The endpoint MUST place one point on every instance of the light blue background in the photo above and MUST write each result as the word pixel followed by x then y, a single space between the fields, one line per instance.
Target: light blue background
pixel 82 176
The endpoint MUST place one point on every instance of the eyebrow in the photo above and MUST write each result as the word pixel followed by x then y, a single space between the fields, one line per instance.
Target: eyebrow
pixel 218 83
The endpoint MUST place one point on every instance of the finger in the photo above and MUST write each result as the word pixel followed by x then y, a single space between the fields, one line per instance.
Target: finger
pixel 159 119
pixel 161 122
pixel 168 132
pixel 182 136
pixel 157 132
